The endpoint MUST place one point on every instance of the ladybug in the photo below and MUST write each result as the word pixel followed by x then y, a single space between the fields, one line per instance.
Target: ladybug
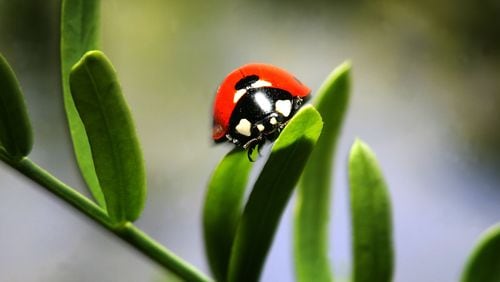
pixel 254 103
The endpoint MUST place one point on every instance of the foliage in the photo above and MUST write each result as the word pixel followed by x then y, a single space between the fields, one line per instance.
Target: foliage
pixel 79 34
pixel 111 135
pixel 371 217
pixel 238 234
pixel 16 137
pixel 484 262
pixel 313 196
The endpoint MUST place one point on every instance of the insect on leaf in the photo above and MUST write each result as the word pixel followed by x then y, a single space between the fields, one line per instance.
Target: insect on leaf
pixel 271 193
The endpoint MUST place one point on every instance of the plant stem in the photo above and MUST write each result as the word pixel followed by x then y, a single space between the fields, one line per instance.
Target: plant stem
pixel 126 231
pixel 68 194
pixel 157 252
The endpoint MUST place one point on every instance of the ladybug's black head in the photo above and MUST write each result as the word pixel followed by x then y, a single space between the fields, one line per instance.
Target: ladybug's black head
pixel 260 115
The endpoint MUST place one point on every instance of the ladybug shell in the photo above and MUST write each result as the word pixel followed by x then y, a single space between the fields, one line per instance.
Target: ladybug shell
pixel 224 99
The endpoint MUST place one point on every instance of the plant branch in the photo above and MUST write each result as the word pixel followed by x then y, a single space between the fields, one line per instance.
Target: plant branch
pixel 127 232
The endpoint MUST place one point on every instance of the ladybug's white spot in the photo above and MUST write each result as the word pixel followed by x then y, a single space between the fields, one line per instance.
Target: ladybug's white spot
pixel 263 102
pixel 244 127
pixel 238 94
pixel 261 127
pixel 273 121
pixel 284 107
pixel 261 83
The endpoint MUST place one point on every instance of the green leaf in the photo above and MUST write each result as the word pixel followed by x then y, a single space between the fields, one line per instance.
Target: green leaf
pixel 271 193
pixel 16 137
pixel 484 263
pixel 223 208
pixel 115 148
pixel 371 217
pixel 79 34
pixel 313 197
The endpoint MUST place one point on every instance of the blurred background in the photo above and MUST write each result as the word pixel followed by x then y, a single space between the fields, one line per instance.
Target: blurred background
pixel 426 97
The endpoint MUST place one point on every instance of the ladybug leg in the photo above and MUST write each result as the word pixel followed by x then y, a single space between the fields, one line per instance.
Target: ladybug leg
pixel 249 154
pixel 233 140
pixel 252 144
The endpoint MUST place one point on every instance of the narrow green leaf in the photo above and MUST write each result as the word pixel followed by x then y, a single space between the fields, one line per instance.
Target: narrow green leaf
pixel 115 148
pixel 371 217
pixel 223 208
pixel 16 137
pixel 79 34
pixel 313 197
pixel 271 193
pixel 484 262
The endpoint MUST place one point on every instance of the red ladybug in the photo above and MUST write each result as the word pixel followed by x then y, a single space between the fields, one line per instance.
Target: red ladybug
pixel 254 103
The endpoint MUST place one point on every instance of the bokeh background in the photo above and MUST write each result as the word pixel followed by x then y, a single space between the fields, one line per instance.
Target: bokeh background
pixel 426 97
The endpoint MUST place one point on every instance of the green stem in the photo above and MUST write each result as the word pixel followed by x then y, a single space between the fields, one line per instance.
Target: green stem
pixel 157 252
pixel 55 186
pixel 128 231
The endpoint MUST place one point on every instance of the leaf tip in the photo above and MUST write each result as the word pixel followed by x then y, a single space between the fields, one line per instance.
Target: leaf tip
pixel 333 95
pixel 361 155
pixel 307 123
pixel 359 147
pixel 90 57
pixel 94 55
pixel 482 264
pixel 345 67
